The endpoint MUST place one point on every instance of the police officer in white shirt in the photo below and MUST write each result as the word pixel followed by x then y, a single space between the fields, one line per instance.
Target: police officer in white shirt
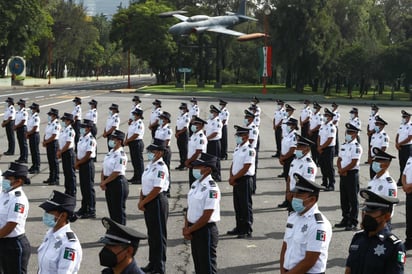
pixel 60 251
pixel 154 116
pixel 241 179
pixel 288 114
pixel 134 140
pixel 224 117
pixel 348 168
pixel 113 180
pixel 382 183
pixel 86 152
pixel 182 134
pixel 304 117
pixel 315 121
pixel 50 142
pixel 326 148
pixel 14 246
pixel 194 109
pixel 277 125
pixel 135 105
pixel 203 212
pixel 112 123
pixel 403 142
pixel 256 120
pixel 165 133
pixel 8 123
pixel 213 131
pixel 371 126
pixel 308 232
pixel 155 205
pixel 354 120
pixel 197 144
pixel 335 121
pixel 92 115
pixel 253 140
pixel 33 134
pixel 77 118
pixel 407 188
pixel 66 153
pixel 21 129
pixel 379 139
pixel 255 103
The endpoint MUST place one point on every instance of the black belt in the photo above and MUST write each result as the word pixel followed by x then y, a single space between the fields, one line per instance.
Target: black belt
pixel 406 145
pixel 307 272
pixel 163 193
pixel 208 224
pixel 13 238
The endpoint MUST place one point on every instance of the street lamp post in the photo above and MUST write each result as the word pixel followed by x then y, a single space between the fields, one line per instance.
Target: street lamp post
pixel 128 68
pixel 49 49
pixel 267 13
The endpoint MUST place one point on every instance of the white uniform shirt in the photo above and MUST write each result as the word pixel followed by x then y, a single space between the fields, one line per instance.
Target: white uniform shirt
pixel 336 118
pixel 182 121
pixel 279 115
pixel 305 167
pixel 315 120
pixel 371 121
pixel 379 139
pixel 258 110
pixel 112 121
pixel 197 141
pixel 309 232
pixel 77 111
pixel 383 185
pixel 224 116
pixel 67 135
pixel 350 151
pixel 53 127
pixel 244 154
pixel 115 161
pixel 404 131
pixel 14 208
pixel 34 121
pixel 202 196
pixel 154 175
pixel 154 115
pixel 327 131
pixel 91 115
pixel 194 111
pixel 253 134
pixel 60 252
pixel 256 121
pixel 305 113
pixel 164 132
pixel 214 125
pixel 136 127
pixel 356 122
pixel 21 115
pixel 86 143
pixel 9 112
pixel 288 142
pixel 408 171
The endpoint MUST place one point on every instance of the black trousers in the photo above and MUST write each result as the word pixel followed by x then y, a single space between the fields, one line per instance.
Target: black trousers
pixel 286 167
pixel 86 175
pixel 336 153
pixel 10 137
pixel 22 141
pixel 408 206
pixel 69 172
pixel 182 140
pixel 153 130
pixel 326 166
pixel 14 255
pixel 278 137
pixel 256 164
pixel 242 202
pixel 155 216
pixel 304 130
pixel 204 244
pixel 349 189
pixel 403 155
pixel 116 194
pixel 314 148
pixel 214 148
pixel 167 157
pixel 136 154
pixel 76 127
pixel 51 149
pixel 223 142
pixel 93 131
pixel 34 142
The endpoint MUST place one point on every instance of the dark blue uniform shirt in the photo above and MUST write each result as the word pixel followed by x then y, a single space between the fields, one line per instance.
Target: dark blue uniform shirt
pixel 130 269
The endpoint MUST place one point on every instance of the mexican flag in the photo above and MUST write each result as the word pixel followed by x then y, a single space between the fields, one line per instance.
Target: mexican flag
pixel 265 58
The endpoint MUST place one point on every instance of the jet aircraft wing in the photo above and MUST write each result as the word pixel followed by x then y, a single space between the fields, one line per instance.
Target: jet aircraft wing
pixel 225 31
pixel 180 17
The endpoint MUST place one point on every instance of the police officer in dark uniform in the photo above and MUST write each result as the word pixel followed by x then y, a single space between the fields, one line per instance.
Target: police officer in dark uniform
pixel 8 123
pixel 113 180
pixel 33 129
pixel 20 126
pixel 120 247
pixel 51 143
pixel 153 201
pixel 14 246
pixel 375 249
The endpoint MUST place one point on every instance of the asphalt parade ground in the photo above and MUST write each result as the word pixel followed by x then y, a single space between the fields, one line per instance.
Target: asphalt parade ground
pixel 259 254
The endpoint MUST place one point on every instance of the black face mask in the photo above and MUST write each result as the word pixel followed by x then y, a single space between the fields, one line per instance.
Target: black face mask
pixel 369 223
pixel 109 258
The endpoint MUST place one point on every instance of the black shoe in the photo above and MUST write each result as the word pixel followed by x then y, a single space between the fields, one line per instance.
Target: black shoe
pixel 366 163
pixel 234 231
pixel 399 183
pixel 408 244
pixel 88 215
pixel 244 235
pixel 8 153
pixel 136 182
pixel 46 181
pixel 285 204
pixel 350 227
pixel 34 171
pixel 342 224
pixel 276 155
pixel 330 188
pixel 80 212
pixel 324 184
pixel 50 183
pixel 282 175
pixel 21 161
pixel 147 268
pixel 131 180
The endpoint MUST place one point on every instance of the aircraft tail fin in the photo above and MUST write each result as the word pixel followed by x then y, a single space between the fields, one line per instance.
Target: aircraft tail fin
pixel 242 7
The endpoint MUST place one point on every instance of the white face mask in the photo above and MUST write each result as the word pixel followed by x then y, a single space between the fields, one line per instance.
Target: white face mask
pixel 404 121
pixel 373 112
pixel 211 116
pixel 181 111
pixel 352 115
pixel 314 110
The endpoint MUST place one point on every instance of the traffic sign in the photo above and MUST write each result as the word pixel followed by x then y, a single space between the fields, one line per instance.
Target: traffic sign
pixel 185 70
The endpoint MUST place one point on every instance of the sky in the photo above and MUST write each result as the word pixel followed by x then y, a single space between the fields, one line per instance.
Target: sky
pixel 108 7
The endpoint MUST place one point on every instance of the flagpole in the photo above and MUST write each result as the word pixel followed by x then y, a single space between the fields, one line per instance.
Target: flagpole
pixel 265 76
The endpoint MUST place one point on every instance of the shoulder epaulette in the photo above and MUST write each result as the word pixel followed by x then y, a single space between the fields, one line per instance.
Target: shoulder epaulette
pixel 17 193
pixel 389 179
pixel 308 159
pixel 70 236
pixel 394 239
pixel 318 218
pixel 212 183
pixel 122 153
pixel 160 163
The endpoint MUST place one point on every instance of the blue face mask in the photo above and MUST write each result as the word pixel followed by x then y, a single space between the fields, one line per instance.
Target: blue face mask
pixel 49 119
pixel 348 137
pixel 82 131
pixel 160 122
pixel 150 156
pixel 111 143
pixel 288 129
pixel 297 205
pixel 299 153
pixel 6 185
pixel 246 122
pixel 193 128
pixel 196 173
pixel 110 113
pixel 63 124
pixel 376 166
pixel 49 220
pixel 239 140
pixel 377 129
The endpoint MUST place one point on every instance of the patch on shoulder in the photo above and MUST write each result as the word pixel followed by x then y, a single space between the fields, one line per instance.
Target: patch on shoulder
pixel 318 218
pixel 389 179
pixel 70 236
pixel 17 193
pixel 212 183
pixel 160 163
pixel 394 239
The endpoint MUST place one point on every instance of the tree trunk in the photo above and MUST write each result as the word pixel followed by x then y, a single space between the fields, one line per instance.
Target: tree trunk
pixel 315 85
pixel 288 81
